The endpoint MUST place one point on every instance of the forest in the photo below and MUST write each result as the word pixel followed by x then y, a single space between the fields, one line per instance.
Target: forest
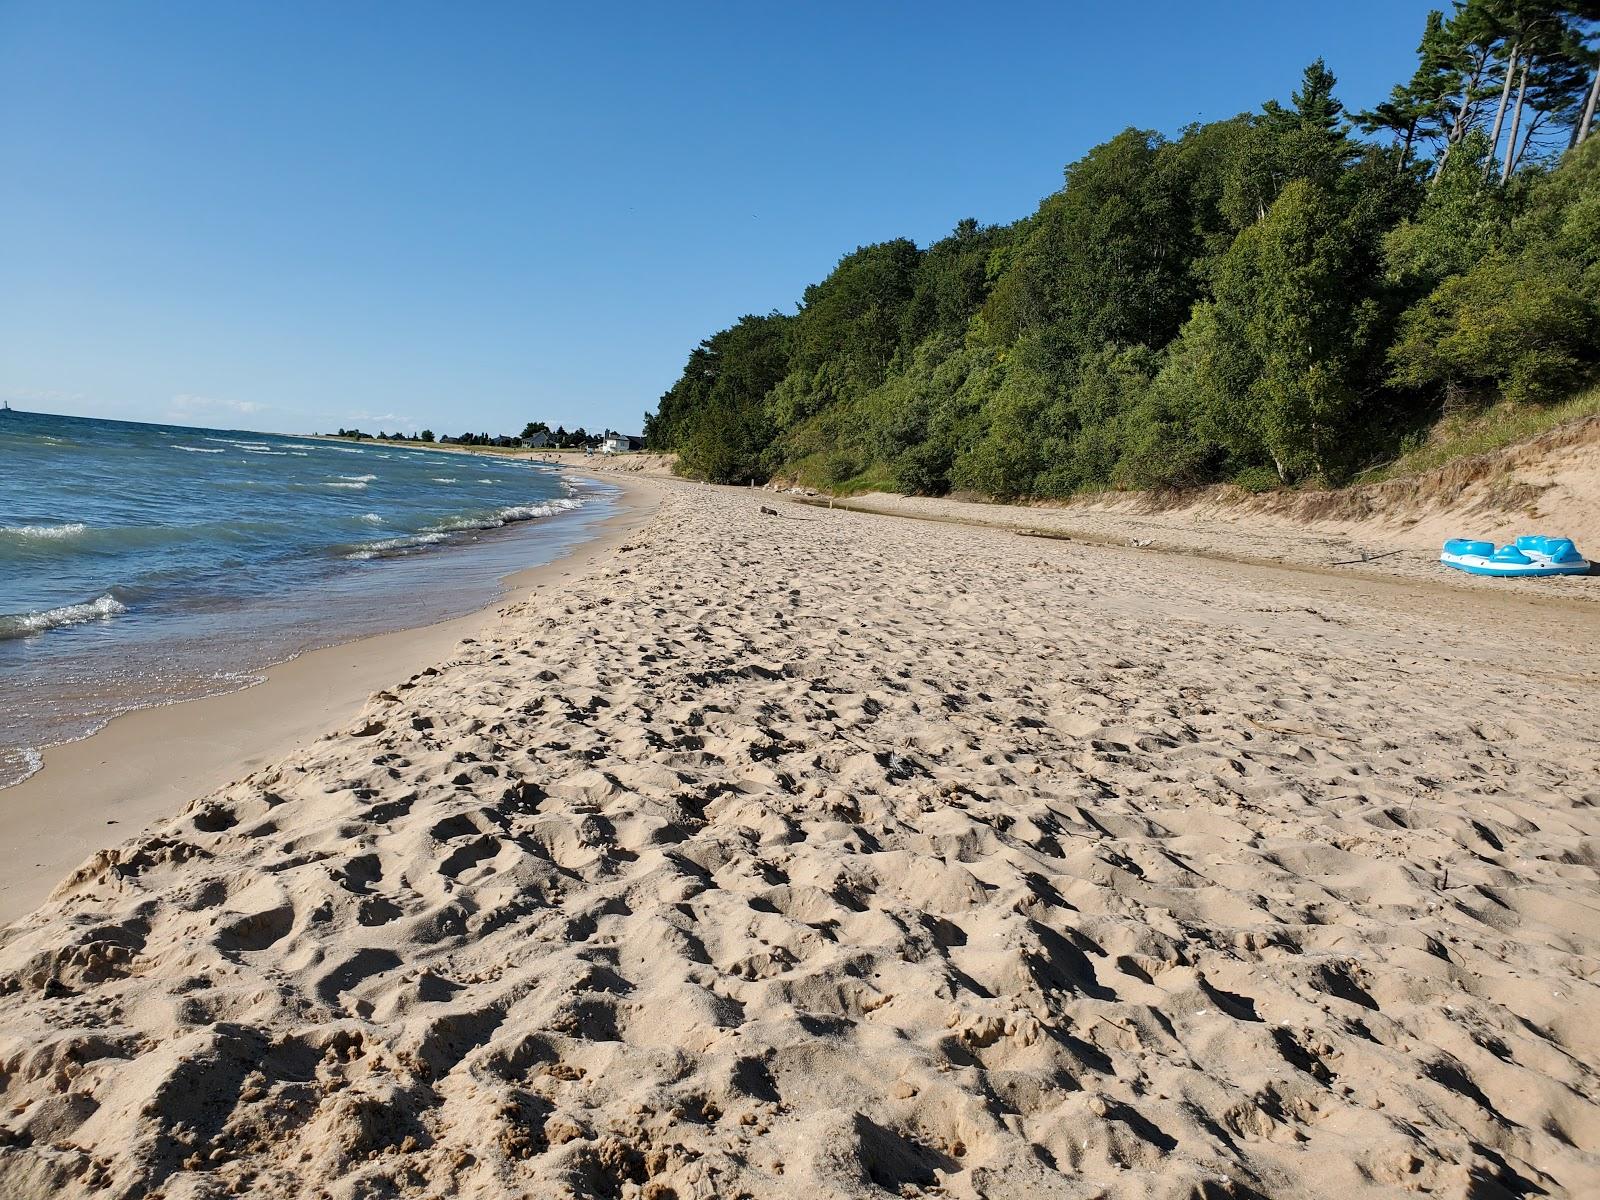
pixel 1288 297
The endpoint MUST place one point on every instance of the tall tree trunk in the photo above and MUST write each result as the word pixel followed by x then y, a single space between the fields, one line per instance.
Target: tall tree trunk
pixel 1587 121
pixel 1516 120
pixel 1500 112
pixel 1466 111
pixel 1458 127
pixel 1405 147
pixel 1534 126
pixel 1458 130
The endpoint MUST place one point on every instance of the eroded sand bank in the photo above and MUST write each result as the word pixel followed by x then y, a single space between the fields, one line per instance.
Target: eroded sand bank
pixel 837 855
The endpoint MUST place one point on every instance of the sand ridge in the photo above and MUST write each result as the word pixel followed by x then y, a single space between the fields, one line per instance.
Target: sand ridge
pixel 835 855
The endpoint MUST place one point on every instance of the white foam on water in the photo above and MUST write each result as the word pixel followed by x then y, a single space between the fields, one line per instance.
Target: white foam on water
pixel 442 478
pixel 351 485
pixel 25 624
pixel 242 444
pixel 506 516
pixel 70 529
pixel 528 512
pixel 442 531
pixel 198 450
pixel 18 763
pixel 359 478
pixel 395 545
pixel 372 518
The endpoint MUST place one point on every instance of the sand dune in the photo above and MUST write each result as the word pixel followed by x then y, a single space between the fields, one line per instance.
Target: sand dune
pixel 837 855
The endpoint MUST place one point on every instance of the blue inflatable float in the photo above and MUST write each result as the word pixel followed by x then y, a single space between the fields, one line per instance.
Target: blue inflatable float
pixel 1532 555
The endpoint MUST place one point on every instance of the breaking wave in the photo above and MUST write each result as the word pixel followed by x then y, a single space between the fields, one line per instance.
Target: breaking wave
pixel 433 534
pixel 27 624
pixel 390 547
pixel 67 530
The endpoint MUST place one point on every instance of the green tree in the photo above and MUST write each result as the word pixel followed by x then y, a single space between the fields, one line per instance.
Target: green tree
pixel 952 282
pixel 1311 138
pixel 715 415
pixel 1421 108
pixel 1523 320
pixel 853 318
pixel 1503 328
pixel 1222 304
pixel 1108 258
pixel 1282 354
pixel 1168 440
pixel 1458 222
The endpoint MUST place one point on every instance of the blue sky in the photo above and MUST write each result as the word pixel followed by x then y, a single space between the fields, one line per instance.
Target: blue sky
pixel 295 216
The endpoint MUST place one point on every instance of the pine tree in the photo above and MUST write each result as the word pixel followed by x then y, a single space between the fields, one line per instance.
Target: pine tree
pixel 1469 40
pixel 1421 107
pixel 1313 137
pixel 1544 55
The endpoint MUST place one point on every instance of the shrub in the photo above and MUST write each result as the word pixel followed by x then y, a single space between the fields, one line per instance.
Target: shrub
pixel 1499 326
pixel 1256 479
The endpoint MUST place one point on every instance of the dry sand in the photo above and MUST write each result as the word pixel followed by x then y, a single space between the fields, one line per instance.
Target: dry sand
pixel 839 855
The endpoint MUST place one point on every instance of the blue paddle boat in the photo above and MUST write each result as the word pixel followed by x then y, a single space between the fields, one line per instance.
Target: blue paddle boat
pixel 1527 556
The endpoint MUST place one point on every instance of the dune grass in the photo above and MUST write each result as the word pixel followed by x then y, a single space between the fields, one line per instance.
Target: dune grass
pixel 1493 428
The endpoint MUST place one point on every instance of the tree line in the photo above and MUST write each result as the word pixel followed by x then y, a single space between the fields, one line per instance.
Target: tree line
pixel 558 438
pixel 355 434
pixel 1287 296
pixel 562 438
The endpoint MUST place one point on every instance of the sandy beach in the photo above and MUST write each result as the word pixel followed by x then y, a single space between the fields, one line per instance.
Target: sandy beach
pixel 836 854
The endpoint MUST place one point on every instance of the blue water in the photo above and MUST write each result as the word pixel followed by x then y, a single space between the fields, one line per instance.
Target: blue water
pixel 142 564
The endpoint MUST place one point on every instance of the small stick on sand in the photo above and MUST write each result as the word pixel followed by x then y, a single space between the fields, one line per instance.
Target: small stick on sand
pixel 1365 558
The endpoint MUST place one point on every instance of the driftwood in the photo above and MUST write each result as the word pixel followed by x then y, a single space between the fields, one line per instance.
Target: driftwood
pixel 1365 558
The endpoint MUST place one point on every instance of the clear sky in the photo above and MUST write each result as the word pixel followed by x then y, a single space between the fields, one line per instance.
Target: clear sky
pixel 295 216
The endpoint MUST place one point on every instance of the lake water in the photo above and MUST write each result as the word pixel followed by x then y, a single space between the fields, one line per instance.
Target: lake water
pixel 143 564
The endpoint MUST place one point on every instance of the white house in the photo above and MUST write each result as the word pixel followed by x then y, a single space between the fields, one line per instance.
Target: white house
pixel 615 443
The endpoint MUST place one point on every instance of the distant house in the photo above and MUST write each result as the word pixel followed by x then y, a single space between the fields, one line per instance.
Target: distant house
pixel 620 443
pixel 537 442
